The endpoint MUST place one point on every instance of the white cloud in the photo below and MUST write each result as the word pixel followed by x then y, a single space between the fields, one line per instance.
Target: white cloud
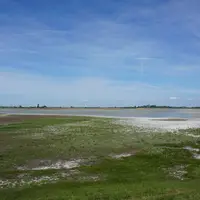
pixel 22 88
pixel 174 98
pixel 112 47
pixel 101 42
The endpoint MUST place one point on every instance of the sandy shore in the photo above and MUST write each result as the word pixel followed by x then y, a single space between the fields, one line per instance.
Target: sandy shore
pixel 166 124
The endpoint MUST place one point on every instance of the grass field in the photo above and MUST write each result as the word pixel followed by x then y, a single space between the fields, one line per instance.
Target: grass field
pixel 73 158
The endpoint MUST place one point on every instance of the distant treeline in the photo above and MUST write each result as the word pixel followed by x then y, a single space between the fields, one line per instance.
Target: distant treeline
pixel 99 107
pixel 23 106
pixel 155 106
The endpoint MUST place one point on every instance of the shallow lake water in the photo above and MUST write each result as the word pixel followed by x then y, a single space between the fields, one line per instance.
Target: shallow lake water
pixel 150 113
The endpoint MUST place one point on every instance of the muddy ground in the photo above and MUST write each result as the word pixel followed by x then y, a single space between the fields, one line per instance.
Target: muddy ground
pixel 8 119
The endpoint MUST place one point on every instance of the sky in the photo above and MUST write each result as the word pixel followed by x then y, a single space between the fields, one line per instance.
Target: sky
pixel 99 52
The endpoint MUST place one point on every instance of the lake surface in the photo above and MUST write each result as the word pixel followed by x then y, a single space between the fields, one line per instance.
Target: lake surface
pixel 151 113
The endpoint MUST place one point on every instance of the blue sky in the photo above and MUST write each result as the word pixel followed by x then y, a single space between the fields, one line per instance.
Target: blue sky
pixel 99 52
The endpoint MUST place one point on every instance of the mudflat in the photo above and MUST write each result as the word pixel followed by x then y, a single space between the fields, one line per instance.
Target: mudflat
pixel 8 119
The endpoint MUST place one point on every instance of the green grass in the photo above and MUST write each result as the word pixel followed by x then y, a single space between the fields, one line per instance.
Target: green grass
pixel 41 122
pixel 160 169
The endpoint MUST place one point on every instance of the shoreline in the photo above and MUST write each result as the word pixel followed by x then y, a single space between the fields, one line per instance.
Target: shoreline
pixel 101 108
pixel 100 116
pixel 148 123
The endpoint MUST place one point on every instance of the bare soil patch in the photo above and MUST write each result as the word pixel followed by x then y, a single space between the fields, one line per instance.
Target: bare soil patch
pixel 170 119
pixel 9 119
pixel 49 164
pixel 164 124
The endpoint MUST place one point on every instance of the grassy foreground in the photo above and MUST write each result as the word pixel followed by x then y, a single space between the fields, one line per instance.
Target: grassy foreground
pixel 73 158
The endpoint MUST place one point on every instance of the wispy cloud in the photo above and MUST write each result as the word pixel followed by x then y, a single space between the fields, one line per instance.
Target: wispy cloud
pixel 174 98
pixel 116 46
pixel 33 89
